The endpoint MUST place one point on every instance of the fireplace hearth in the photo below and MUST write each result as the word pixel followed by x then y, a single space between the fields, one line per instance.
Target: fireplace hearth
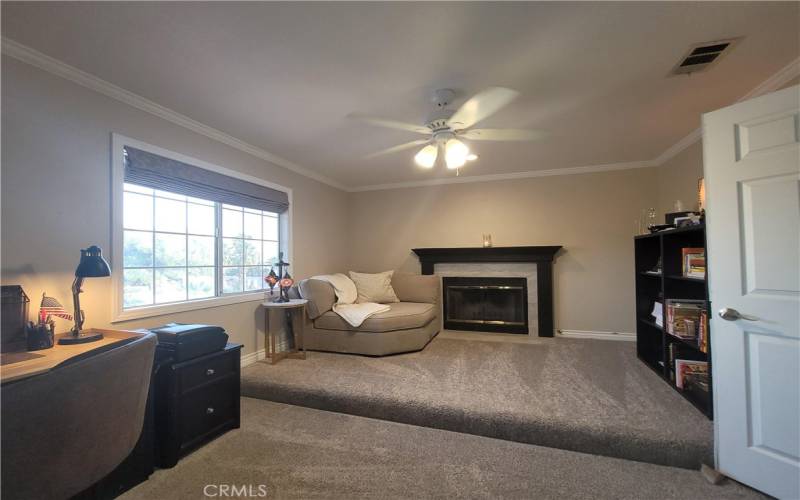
pixel 485 304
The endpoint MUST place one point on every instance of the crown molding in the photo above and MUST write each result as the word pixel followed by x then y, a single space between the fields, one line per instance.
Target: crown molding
pixel 776 81
pixel 509 176
pixel 54 66
pixel 771 84
pixel 59 68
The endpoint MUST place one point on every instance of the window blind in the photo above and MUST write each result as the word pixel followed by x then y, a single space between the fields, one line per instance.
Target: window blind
pixel 157 172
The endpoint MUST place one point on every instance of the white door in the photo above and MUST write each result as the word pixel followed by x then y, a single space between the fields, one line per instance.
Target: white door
pixel 752 174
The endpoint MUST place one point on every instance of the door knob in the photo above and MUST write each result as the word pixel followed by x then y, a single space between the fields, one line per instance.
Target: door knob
pixel 730 314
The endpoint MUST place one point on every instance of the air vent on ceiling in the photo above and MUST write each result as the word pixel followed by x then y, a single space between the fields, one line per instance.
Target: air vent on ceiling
pixel 702 56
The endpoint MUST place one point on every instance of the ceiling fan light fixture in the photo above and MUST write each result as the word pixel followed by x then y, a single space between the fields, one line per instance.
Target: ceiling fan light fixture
pixel 426 157
pixel 455 153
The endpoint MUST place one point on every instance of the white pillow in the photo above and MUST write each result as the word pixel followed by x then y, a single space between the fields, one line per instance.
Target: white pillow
pixel 374 287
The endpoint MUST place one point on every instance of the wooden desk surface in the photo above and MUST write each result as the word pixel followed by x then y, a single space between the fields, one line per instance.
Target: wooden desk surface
pixel 18 365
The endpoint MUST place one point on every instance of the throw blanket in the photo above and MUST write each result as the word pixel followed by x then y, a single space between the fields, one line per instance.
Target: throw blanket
pixel 346 295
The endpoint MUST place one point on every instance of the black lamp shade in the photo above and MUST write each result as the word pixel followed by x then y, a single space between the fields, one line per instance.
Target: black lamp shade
pixel 92 264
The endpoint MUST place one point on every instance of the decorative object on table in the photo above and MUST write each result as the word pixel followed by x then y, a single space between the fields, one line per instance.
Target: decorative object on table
pixel 487 241
pixel 284 278
pixel 693 263
pixel 651 217
pixel 272 280
pixel 14 317
pixel 91 265
pixel 678 206
pixel 52 307
pixel 286 284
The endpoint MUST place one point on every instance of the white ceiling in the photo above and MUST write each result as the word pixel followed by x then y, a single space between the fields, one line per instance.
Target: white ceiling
pixel 283 76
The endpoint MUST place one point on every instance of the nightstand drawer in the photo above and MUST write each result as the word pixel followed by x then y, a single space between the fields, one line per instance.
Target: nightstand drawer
pixel 205 410
pixel 207 369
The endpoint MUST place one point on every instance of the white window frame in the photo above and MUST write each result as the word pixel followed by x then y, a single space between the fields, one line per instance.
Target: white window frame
pixel 118 313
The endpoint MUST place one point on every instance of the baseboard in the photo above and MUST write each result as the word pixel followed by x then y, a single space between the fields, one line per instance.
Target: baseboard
pixel 585 334
pixel 250 358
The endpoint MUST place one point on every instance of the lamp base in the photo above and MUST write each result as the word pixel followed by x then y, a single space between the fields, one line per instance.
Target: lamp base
pixel 81 338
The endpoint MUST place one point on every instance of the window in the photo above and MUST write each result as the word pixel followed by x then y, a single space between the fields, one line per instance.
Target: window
pixel 249 242
pixel 170 247
pixel 188 234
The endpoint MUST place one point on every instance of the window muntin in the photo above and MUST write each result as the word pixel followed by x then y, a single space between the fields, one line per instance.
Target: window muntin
pixel 174 252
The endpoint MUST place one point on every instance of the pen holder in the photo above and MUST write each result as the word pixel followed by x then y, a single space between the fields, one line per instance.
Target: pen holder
pixel 40 337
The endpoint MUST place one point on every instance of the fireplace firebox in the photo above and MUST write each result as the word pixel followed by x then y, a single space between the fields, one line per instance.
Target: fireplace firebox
pixel 485 304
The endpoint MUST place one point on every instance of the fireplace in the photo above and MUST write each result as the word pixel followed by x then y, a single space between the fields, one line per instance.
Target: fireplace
pixel 485 304
pixel 537 264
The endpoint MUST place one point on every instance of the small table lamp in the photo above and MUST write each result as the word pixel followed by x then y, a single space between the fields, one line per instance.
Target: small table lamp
pixel 92 265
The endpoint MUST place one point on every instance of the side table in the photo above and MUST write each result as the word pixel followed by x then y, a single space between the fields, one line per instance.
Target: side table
pixel 291 310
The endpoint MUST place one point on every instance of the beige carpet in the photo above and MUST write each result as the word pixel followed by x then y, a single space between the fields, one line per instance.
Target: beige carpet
pixel 591 396
pixel 298 452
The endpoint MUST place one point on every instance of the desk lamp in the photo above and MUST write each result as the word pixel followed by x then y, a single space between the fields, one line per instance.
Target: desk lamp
pixel 92 265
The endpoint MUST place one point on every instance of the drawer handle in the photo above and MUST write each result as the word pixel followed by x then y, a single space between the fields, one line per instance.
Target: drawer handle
pixel 210 372
pixel 209 411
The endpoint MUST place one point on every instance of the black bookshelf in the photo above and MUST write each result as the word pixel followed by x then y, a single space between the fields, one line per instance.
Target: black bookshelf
pixel 653 344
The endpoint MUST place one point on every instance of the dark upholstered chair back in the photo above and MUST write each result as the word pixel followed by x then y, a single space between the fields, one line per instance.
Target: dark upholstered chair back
pixel 64 430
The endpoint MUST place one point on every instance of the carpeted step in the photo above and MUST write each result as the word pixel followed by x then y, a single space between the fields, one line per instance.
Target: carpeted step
pixel 580 395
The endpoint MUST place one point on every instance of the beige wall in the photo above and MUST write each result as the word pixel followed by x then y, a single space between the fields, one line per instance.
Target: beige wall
pixel 56 178
pixel 591 215
pixel 677 180
pixel 56 200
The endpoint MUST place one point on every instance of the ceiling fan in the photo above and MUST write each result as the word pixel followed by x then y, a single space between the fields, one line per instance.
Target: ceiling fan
pixel 445 128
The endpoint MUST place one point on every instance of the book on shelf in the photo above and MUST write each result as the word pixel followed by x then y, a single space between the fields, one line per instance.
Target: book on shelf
pixel 683 318
pixel 694 262
pixel 689 371
pixel 702 331
pixel 671 353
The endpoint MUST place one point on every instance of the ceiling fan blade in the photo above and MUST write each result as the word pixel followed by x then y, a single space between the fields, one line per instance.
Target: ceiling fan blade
pixel 502 134
pixel 480 106
pixel 399 147
pixel 383 122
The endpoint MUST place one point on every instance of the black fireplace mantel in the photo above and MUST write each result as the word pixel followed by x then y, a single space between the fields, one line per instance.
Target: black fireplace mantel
pixel 541 255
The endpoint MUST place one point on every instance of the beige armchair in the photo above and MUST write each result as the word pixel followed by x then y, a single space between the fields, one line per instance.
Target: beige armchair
pixel 408 326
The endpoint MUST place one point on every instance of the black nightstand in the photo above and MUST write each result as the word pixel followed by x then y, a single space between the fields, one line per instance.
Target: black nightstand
pixel 196 401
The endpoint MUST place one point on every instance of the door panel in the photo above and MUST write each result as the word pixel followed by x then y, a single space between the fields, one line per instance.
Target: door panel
pixel 772 400
pixel 762 134
pixel 766 238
